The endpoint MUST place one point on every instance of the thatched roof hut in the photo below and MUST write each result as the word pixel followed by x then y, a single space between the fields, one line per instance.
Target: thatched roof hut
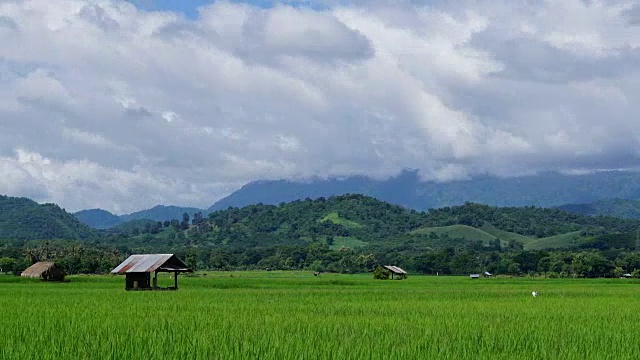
pixel 44 270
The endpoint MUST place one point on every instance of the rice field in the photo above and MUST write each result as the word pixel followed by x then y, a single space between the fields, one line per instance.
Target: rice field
pixel 294 315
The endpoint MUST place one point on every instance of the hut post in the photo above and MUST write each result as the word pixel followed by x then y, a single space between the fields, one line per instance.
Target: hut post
pixel 155 279
pixel 175 280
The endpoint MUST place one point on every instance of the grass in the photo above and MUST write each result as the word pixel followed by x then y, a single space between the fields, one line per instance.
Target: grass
pixel 350 242
pixel 294 315
pixel 488 232
pixel 567 240
pixel 459 231
pixel 505 236
pixel 336 219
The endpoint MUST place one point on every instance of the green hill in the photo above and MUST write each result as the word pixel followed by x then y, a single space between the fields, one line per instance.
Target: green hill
pixel 505 236
pixel 458 232
pixel 357 221
pixel 353 221
pixel 98 218
pixel 568 240
pixel 348 233
pixel 619 208
pixel 488 233
pixel 24 219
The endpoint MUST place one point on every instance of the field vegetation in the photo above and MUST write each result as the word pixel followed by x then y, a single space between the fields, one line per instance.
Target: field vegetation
pixel 295 315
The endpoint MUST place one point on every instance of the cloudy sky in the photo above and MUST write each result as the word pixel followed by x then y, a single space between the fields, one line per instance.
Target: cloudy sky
pixel 125 105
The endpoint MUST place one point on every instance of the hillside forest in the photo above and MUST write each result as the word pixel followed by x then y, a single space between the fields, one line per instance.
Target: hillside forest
pixel 347 234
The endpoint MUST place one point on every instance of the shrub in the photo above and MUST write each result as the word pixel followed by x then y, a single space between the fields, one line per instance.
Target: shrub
pixel 381 273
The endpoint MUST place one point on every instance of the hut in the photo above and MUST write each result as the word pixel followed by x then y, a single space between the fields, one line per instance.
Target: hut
pixel 138 270
pixel 474 276
pixel 45 270
pixel 487 274
pixel 398 272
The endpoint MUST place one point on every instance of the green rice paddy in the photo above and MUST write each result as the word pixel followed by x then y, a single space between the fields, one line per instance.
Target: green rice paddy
pixel 294 315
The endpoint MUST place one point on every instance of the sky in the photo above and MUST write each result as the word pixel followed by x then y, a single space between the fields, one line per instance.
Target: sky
pixel 126 105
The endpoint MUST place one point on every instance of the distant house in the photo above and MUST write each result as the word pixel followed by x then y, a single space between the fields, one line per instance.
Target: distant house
pixel 45 270
pixel 398 272
pixel 475 276
pixel 626 276
pixel 138 270
pixel 487 274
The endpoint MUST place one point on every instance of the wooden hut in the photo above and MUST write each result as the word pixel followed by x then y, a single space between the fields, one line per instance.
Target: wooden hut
pixel 138 270
pixel 398 272
pixel 487 274
pixel 474 276
pixel 45 270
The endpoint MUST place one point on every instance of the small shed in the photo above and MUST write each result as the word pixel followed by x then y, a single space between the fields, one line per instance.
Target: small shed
pixel 138 270
pixel 475 276
pixel 398 272
pixel 45 270
pixel 487 274
pixel 626 276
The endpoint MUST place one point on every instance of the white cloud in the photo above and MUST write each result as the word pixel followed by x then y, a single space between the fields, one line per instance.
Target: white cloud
pixel 102 104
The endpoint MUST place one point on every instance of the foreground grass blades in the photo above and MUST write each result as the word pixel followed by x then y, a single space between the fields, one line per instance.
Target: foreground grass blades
pixel 289 315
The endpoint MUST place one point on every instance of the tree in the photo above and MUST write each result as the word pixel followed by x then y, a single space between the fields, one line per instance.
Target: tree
pixel 7 264
pixel 330 240
pixel 191 259
pixel 184 225
pixel 381 273
pixel 197 218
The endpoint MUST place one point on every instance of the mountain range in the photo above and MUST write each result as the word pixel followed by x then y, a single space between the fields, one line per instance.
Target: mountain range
pixel 352 221
pixel 408 190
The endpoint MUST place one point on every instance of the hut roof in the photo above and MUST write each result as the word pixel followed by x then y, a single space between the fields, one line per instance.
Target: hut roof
pixel 395 269
pixel 36 270
pixel 151 263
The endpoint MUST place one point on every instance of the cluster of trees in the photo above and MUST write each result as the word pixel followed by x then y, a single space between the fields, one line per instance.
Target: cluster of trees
pixel 74 257
pixel 467 256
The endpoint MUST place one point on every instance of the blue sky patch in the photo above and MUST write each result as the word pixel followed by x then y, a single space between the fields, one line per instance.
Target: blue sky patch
pixel 190 7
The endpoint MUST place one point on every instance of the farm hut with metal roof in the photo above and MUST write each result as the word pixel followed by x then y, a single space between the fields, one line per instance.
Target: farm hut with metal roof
pixel 44 270
pixel 138 270
pixel 398 272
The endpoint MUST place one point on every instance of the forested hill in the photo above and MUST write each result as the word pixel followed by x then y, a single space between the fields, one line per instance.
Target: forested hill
pixel 620 208
pixel 98 218
pixel 24 219
pixel 308 220
pixel 347 220
pixel 359 221
pixel 346 233
pixel 530 220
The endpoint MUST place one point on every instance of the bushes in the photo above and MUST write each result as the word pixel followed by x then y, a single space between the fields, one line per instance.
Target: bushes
pixel 381 273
